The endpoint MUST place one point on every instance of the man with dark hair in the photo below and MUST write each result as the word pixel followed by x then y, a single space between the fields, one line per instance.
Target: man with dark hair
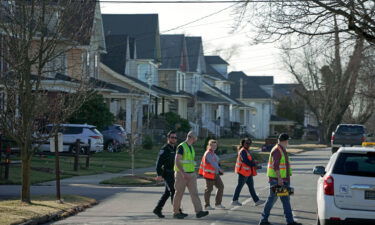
pixel 164 170
pixel 279 172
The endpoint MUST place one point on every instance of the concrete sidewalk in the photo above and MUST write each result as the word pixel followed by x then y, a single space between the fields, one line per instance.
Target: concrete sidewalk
pixel 97 178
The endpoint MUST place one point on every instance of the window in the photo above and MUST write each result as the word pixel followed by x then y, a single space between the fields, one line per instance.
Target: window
pixel 355 164
pixel 96 69
pixel 342 129
pixel 144 73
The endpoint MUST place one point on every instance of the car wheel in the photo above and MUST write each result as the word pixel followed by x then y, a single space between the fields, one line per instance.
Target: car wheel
pixel 73 150
pixel 110 147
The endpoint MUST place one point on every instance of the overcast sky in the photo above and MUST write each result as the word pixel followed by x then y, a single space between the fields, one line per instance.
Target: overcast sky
pixel 217 33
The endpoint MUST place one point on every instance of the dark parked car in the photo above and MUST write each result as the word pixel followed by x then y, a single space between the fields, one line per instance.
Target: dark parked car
pixel 115 138
pixel 348 135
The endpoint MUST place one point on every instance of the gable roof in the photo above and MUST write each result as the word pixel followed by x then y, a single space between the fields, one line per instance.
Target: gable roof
pixel 193 45
pixel 78 20
pixel 214 73
pixel 220 92
pixel 143 27
pixel 117 48
pixel 172 47
pixel 204 97
pixel 262 80
pixel 250 89
pixel 215 59
pixel 286 90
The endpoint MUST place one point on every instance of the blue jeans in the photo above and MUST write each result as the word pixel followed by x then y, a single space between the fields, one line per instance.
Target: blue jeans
pixel 250 184
pixel 271 201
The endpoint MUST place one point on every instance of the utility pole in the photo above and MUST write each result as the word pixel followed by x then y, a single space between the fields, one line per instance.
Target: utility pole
pixel 57 167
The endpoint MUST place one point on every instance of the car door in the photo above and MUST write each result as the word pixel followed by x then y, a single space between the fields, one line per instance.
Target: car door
pixel 354 180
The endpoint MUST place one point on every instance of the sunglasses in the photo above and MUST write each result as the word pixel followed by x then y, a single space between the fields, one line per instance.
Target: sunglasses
pixel 173 137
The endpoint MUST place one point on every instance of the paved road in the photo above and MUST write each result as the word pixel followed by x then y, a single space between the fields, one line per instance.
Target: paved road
pixel 133 205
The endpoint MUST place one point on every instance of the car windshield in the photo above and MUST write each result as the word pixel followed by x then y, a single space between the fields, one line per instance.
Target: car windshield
pixel 350 130
pixel 355 164
pixel 66 130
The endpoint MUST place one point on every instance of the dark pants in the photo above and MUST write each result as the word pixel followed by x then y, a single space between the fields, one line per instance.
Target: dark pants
pixel 169 191
pixel 250 184
pixel 272 197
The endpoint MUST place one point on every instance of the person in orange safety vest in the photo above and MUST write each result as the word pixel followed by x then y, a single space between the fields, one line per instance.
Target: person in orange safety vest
pixel 211 171
pixel 246 168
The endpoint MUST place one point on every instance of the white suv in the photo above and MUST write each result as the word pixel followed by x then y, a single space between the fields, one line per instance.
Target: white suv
pixel 346 188
pixel 87 134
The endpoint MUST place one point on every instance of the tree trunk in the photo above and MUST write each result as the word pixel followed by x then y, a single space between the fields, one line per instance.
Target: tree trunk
pixel 25 193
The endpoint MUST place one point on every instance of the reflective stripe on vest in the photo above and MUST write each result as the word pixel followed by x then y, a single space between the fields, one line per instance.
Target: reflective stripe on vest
pixel 206 169
pixel 242 168
pixel 283 173
pixel 187 161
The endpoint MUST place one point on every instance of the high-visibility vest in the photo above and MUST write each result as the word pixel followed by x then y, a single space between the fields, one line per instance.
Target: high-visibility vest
pixel 187 161
pixel 242 168
pixel 206 169
pixel 283 173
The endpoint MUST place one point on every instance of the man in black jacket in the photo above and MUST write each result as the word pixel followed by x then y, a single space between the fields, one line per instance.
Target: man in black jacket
pixel 164 170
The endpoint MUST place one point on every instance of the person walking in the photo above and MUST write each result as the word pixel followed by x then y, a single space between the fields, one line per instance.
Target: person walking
pixel 164 170
pixel 185 176
pixel 246 168
pixel 211 172
pixel 279 172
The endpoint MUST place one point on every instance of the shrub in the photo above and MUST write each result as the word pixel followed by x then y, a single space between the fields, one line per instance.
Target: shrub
pixel 147 142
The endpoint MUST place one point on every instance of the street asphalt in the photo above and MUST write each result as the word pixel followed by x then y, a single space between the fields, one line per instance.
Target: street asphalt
pixel 134 205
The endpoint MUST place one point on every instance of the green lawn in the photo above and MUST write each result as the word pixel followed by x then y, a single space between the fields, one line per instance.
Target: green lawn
pixel 43 167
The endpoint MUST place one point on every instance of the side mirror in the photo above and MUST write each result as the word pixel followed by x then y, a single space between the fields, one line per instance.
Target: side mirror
pixel 319 170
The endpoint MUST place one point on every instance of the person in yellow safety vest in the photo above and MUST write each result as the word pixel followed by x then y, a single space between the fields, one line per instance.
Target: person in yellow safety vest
pixel 185 176
pixel 279 172
pixel 210 170
pixel 246 169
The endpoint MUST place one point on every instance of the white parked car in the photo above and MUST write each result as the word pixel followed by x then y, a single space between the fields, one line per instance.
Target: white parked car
pixel 88 135
pixel 346 188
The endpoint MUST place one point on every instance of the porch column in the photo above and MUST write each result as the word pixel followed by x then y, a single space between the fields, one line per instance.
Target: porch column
pixel 163 105
pixel 139 116
pixel 221 114
pixel 156 107
pixel 128 118
pixel 204 112
pixel 182 109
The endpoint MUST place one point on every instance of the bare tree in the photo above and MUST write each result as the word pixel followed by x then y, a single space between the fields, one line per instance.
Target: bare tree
pixel 329 79
pixel 276 19
pixel 37 38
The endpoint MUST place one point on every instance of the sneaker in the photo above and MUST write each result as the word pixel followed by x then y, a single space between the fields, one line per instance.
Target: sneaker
pixel 178 216
pixel 220 206
pixel 209 208
pixel 202 214
pixel 236 203
pixel 184 214
pixel 294 223
pixel 265 223
pixel 259 202
pixel 158 213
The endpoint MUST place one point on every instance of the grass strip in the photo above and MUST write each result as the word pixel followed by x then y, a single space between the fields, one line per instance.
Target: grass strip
pixel 42 209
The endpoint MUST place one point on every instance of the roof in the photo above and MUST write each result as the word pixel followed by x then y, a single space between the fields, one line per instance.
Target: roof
pixel 285 90
pixel 102 84
pixel 214 73
pixel 224 94
pixel 215 59
pixel 171 50
pixel 143 27
pixel 204 97
pixel 262 80
pixel 116 52
pixel 250 89
pixel 193 45
pixel 78 18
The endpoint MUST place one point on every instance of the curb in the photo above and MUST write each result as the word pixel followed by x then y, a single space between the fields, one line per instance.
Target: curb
pixel 58 215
